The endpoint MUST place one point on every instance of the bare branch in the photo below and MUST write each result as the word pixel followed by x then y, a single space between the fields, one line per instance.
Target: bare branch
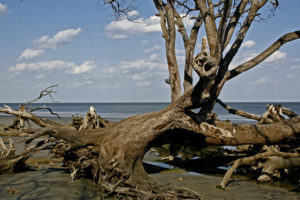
pixel 255 6
pixel 239 112
pixel 23 113
pixel 120 8
pixel 233 22
pixel 211 29
pixel 45 92
pixel 166 12
pixel 189 44
pixel 223 21
pixel 262 56
pixel 45 108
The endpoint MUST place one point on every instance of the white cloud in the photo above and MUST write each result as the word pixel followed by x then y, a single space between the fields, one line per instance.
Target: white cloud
pixel 137 77
pixel 144 42
pixel 78 84
pixel 31 53
pixel 43 65
pixel 133 13
pixel 3 10
pixel 141 71
pixel 60 38
pixel 155 47
pixel 276 56
pixel 248 44
pixel 71 67
pixel 143 84
pixel 40 76
pixel 124 28
pixel 45 42
pixel 85 67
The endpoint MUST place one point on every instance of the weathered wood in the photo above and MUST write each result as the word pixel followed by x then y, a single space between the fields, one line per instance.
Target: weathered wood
pixel 113 155
pixel 253 160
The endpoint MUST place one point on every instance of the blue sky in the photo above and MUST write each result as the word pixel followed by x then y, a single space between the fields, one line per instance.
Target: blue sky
pixel 79 45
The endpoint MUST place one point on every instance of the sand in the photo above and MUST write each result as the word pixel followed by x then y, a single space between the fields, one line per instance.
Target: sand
pixel 46 182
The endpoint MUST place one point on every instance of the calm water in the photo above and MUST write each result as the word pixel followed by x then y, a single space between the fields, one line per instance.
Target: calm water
pixel 118 111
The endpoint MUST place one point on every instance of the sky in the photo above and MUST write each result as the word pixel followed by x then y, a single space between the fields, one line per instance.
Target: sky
pixel 93 57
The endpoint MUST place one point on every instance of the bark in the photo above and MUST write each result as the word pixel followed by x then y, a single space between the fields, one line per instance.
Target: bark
pixel 23 113
pixel 113 155
pixel 265 54
pixel 11 162
pixel 254 159
pixel 272 164
pixel 166 13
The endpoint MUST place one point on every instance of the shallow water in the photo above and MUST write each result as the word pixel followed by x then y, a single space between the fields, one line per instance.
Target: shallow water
pixel 119 111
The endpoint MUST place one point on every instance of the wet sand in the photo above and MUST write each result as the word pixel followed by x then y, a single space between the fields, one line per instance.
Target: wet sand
pixel 237 189
pixel 46 182
pixel 51 183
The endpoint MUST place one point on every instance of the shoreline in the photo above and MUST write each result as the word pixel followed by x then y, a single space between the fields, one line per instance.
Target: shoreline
pixel 44 181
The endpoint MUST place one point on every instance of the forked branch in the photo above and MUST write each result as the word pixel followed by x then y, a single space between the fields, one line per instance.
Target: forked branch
pixel 48 91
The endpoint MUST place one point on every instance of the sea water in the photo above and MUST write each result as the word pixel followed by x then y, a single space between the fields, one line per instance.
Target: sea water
pixel 118 111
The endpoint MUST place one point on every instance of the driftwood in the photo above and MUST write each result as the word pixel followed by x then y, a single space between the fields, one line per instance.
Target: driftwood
pixel 92 120
pixel 252 160
pixel 274 159
pixel 10 162
pixel 113 155
pixel 25 112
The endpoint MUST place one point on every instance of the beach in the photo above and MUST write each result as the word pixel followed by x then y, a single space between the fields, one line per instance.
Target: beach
pixel 44 181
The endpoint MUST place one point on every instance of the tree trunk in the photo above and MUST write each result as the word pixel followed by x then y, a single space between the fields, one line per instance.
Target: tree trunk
pixel 113 155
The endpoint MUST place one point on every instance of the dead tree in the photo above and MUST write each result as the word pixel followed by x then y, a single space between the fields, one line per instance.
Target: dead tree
pixel 113 155
pixel 11 162
pixel 25 112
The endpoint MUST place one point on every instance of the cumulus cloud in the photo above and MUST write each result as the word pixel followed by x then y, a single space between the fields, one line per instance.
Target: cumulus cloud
pixel 276 56
pixel 124 28
pixel 31 53
pixel 248 44
pixel 3 10
pixel 45 42
pixel 39 76
pixel 141 71
pixel 155 47
pixel 85 67
pixel 60 38
pixel 71 67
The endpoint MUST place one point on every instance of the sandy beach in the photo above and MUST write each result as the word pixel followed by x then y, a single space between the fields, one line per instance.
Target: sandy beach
pixel 46 182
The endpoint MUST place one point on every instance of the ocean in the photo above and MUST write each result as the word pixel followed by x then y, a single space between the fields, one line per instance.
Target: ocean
pixel 118 111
